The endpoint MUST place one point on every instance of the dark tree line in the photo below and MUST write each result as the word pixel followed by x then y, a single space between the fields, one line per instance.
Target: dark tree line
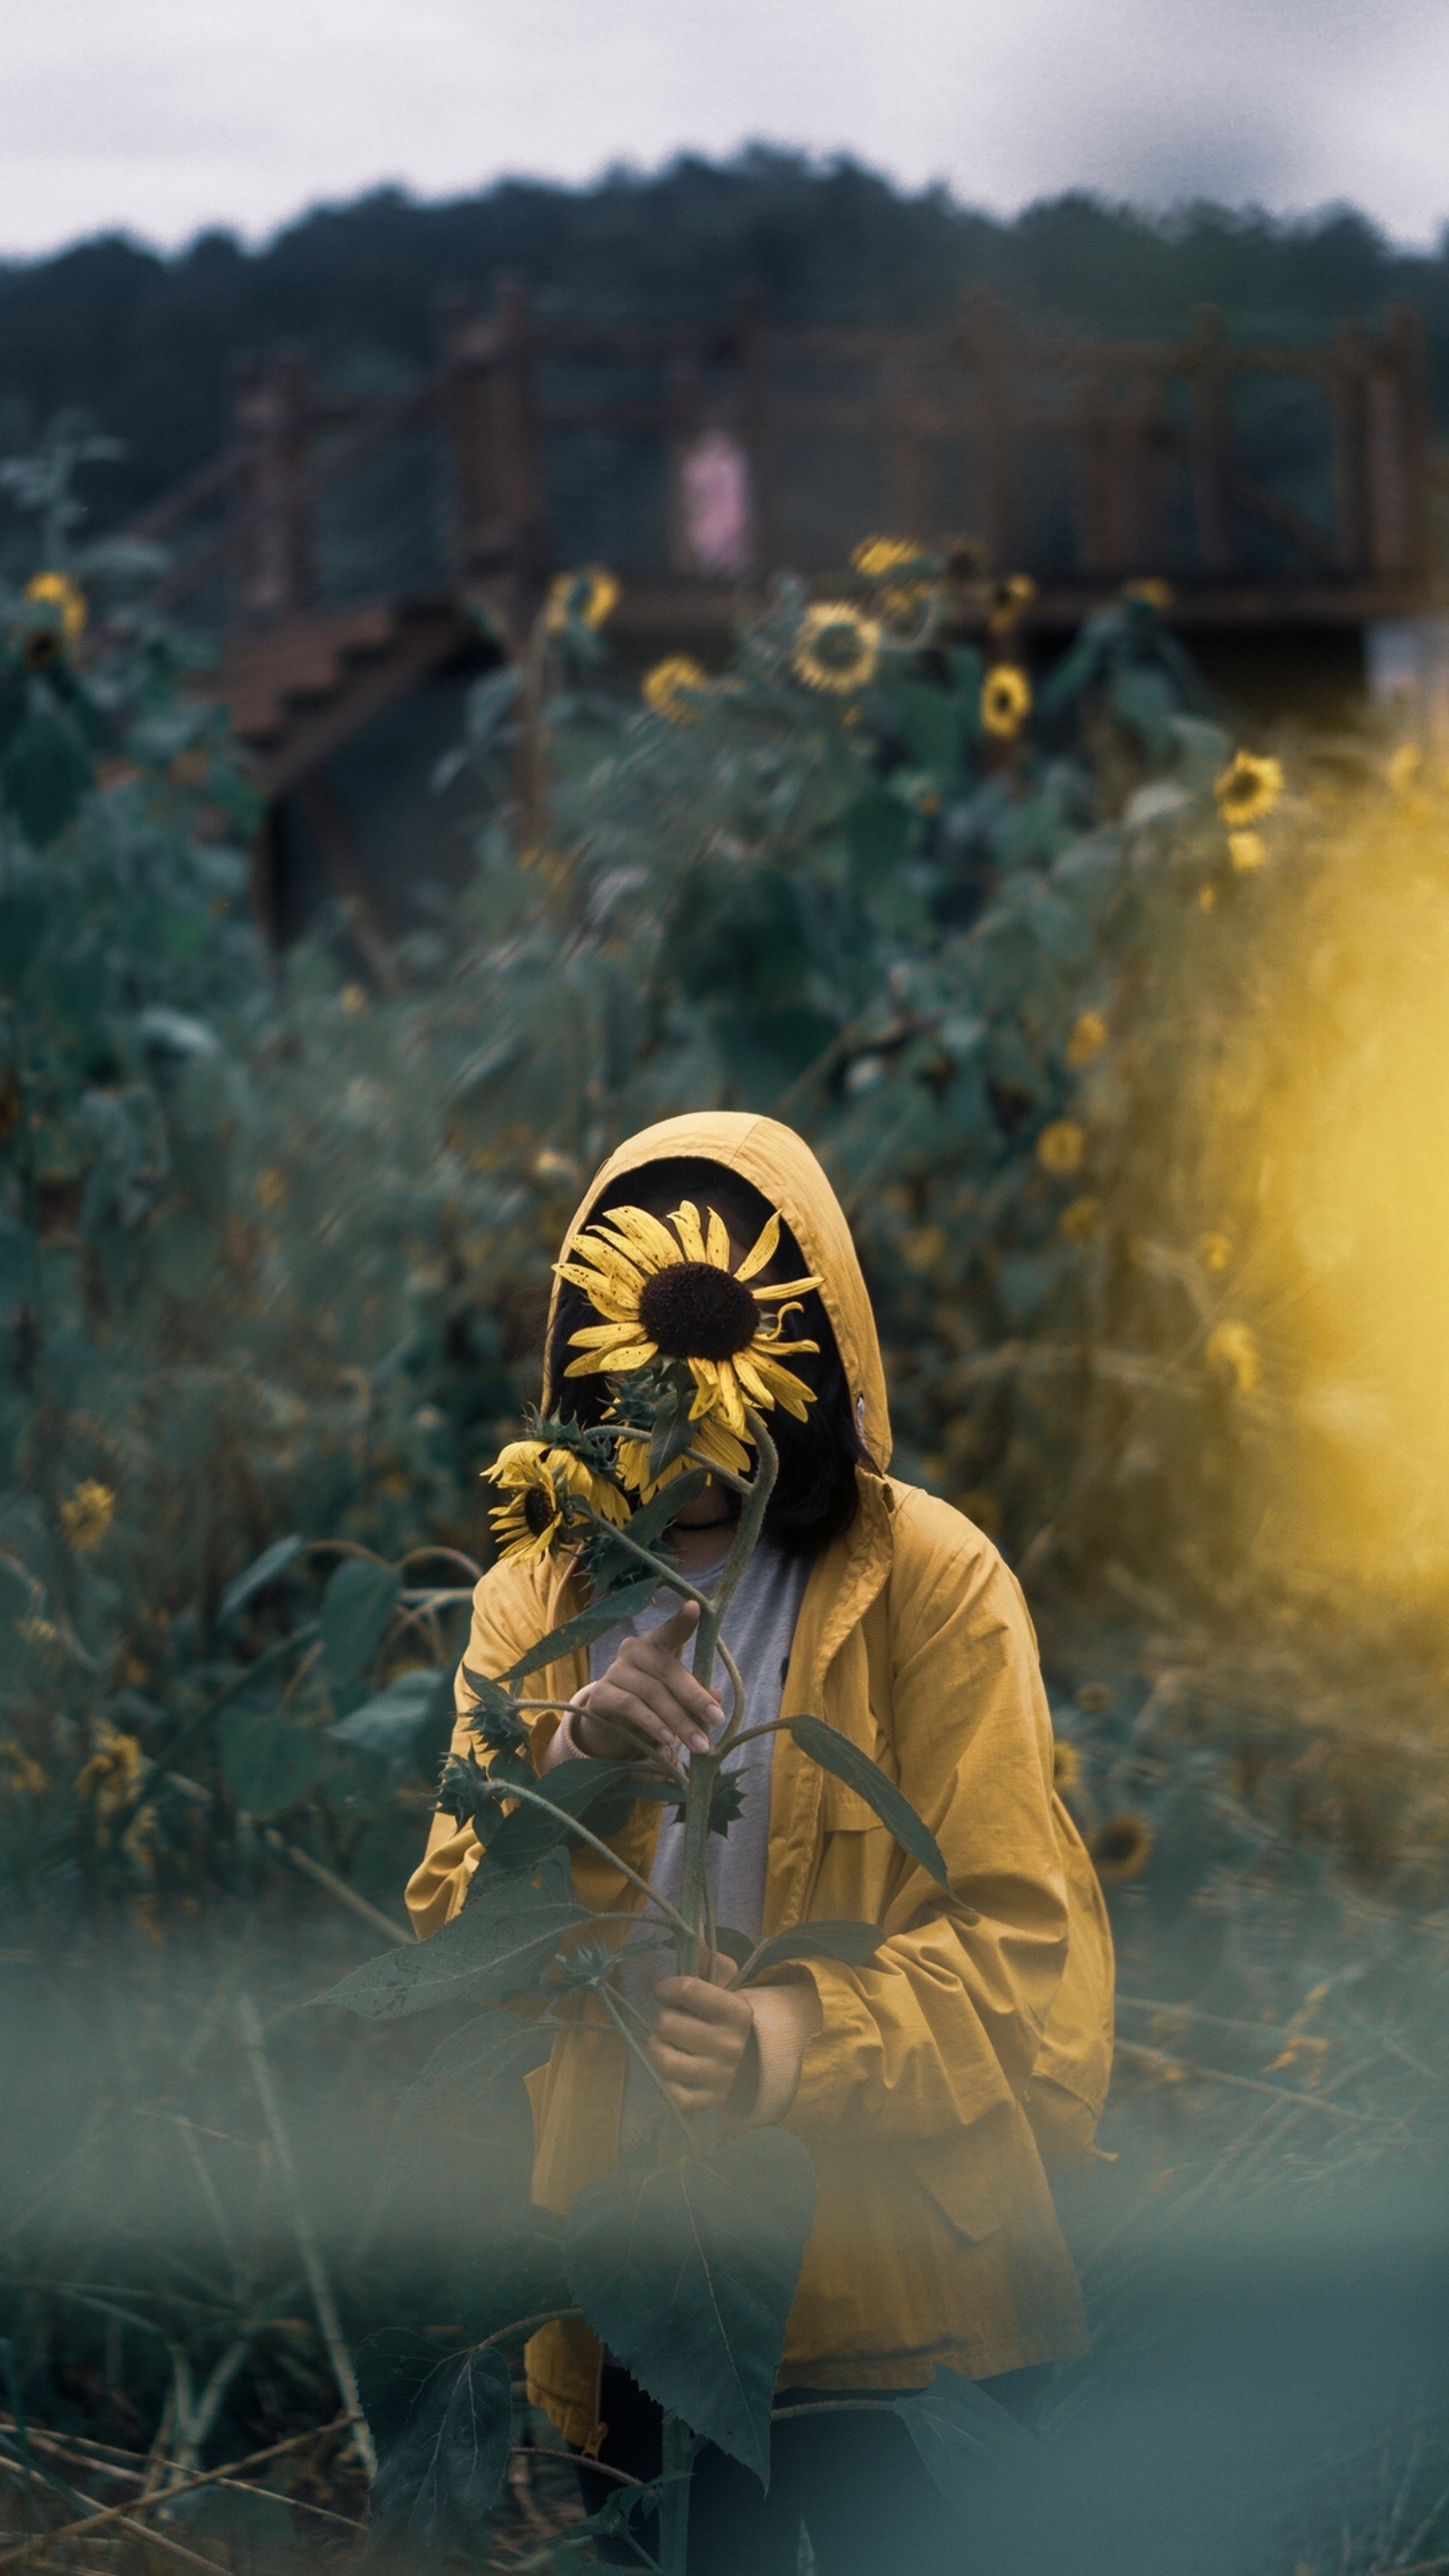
pixel 142 341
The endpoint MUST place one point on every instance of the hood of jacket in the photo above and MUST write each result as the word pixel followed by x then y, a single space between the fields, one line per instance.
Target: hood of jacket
pixel 784 1171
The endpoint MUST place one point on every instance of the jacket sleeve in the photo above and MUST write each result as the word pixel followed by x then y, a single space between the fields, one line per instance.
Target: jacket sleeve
pixel 944 2026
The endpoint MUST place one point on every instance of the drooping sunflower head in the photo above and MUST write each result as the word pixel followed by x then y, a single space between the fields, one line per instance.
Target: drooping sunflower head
pixel 672 1290
pixel 675 688
pixel 713 1446
pixel 58 615
pixel 1122 1845
pixel 1005 701
pixel 588 598
pixel 879 557
pixel 1151 592
pixel 544 1489
pixel 1006 600
pixel 1231 1352
pixel 1248 789
pixel 835 648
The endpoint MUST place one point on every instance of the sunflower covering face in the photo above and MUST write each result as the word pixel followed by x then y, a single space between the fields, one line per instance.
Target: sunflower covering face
pixel 539 1483
pixel 674 1296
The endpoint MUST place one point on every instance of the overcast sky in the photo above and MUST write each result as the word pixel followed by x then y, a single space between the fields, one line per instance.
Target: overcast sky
pixel 162 116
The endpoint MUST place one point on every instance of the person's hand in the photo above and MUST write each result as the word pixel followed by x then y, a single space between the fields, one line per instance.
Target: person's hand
pixel 647 1702
pixel 699 2041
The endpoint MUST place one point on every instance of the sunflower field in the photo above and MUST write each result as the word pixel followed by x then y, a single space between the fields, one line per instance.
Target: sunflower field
pixel 1117 1035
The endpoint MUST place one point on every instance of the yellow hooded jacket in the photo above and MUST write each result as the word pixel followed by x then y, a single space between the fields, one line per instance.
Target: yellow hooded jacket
pixel 978 2040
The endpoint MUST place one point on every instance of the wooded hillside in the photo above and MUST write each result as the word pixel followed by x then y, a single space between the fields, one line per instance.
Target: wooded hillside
pixel 142 341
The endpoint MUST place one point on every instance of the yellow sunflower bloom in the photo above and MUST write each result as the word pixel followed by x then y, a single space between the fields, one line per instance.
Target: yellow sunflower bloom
pixel 1248 788
pixel 673 688
pixel 87 1514
pixel 674 1296
pixel 539 1482
pixel 1231 1353
pixel 1061 1145
pixel 835 647
pixel 1122 1846
pixel 1066 1768
pixel 1007 599
pixel 878 556
pixel 591 596
pixel 1081 1219
pixel 712 1444
pixel 1088 1038
pixel 1005 701
pixel 57 590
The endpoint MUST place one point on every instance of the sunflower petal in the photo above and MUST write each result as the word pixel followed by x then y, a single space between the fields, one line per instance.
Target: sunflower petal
pixel 785 1387
pixel 617 1363
pixel 787 1288
pixel 761 1250
pixel 611 1259
pixel 685 1221
pixel 726 1390
pixel 717 1241
pixel 608 1336
pixel 644 1239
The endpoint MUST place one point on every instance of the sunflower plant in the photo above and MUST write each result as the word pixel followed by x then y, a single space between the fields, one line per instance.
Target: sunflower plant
pixel 693 1344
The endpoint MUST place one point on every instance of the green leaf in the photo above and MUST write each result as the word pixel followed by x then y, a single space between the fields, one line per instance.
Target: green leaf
pixel 687 2273
pixel 440 2472
pixel 851 1943
pixel 469 2103
pixel 269 1762
pixel 266 1569
pixel 959 2431
pixel 878 828
pixel 46 775
pixel 599 1794
pixel 500 1946
pixel 390 1727
pixel 581 1631
pixel 608 1562
pixel 24 918
pixel 836 1753
pixel 357 1609
pixel 493 1707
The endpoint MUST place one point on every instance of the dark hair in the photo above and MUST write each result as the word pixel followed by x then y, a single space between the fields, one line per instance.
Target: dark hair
pixel 816 1496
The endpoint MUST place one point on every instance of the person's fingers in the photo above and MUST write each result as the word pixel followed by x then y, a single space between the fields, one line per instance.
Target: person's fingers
pixel 700 2042
pixel 658 1685
pixel 674 1633
pixel 692 2083
pixel 716 2005
pixel 639 1656
pixel 631 1719
pixel 642 1690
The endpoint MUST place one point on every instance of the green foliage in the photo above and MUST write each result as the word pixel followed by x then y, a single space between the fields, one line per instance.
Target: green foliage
pixel 499 1947
pixel 444 2431
pixel 687 2272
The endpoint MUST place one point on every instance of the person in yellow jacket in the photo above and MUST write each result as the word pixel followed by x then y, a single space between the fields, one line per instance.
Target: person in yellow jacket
pixel 936 2086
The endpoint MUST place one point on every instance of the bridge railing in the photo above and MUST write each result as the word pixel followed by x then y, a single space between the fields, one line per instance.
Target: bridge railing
pixel 1258 478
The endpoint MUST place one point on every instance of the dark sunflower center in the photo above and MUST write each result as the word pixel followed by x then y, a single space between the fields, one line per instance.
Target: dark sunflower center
pixel 539 1510
pixel 694 1312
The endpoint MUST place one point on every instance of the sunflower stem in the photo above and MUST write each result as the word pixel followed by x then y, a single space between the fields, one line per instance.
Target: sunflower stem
pixel 704 1767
